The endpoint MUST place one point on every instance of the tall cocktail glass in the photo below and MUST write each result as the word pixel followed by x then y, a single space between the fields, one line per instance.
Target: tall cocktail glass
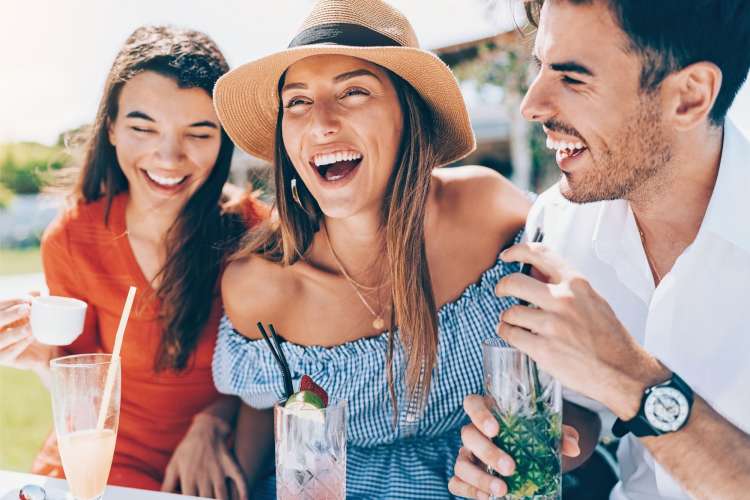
pixel 527 404
pixel 86 451
pixel 311 452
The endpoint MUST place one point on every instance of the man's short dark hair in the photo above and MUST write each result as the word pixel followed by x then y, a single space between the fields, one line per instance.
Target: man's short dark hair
pixel 669 35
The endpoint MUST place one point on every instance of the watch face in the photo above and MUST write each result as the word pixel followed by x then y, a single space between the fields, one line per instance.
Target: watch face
pixel 666 409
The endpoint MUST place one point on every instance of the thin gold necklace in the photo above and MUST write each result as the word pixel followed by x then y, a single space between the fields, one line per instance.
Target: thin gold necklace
pixel 650 261
pixel 378 323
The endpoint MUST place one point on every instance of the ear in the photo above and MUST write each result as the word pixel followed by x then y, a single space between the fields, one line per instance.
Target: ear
pixel 692 94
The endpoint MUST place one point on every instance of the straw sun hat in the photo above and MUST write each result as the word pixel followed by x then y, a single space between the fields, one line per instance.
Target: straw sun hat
pixel 247 99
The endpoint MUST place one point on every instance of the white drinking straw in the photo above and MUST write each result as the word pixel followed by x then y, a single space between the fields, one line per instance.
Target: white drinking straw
pixel 108 386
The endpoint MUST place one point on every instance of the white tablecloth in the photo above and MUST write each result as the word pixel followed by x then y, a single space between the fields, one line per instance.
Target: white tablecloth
pixel 57 489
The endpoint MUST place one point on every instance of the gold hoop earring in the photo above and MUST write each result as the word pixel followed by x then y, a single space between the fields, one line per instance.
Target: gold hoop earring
pixel 295 193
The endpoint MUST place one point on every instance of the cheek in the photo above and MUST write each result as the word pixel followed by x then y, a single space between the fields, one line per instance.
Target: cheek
pixel 388 128
pixel 204 156
pixel 291 136
pixel 128 151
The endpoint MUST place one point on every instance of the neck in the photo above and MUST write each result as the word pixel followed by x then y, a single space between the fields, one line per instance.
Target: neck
pixel 670 210
pixel 359 244
pixel 148 223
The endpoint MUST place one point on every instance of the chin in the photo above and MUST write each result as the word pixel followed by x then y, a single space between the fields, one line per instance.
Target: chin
pixel 574 192
pixel 588 191
pixel 337 211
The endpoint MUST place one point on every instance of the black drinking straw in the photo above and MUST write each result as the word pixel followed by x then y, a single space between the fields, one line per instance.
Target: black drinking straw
pixel 275 340
pixel 278 354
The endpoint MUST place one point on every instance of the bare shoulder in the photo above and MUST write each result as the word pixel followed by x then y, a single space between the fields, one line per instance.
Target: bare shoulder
pixel 254 289
pixel 480 198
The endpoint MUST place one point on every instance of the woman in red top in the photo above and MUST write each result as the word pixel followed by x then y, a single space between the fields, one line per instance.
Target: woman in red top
pixel 147 212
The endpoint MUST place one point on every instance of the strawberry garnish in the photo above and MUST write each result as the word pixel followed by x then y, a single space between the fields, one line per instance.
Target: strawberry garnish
pixel 308 384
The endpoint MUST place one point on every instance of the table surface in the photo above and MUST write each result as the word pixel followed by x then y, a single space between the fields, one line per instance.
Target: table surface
pixel 57 489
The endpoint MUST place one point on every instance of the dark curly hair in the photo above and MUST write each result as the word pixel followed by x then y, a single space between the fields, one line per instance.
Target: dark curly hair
pixel 197 241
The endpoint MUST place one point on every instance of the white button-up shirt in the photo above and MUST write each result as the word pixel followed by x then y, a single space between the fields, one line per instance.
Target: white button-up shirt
pixel 697 321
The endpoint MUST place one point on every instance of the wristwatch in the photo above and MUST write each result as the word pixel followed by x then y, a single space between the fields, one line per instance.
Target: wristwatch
pixel 664 408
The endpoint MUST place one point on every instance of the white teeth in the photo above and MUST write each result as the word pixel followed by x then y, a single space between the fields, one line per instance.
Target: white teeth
pixel 562 145
pixel 165 181
pixel 327 159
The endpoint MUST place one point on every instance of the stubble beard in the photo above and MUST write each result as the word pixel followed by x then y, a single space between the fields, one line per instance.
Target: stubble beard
pixel 635 165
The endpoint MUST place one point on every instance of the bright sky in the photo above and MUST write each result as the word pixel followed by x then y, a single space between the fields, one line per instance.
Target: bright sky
pixel 54 55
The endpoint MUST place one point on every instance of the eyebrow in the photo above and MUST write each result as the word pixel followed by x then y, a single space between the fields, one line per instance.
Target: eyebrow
pixel 139 114
pixel 337 79
pixel 353 74
pixel 144 116
pixel 567 67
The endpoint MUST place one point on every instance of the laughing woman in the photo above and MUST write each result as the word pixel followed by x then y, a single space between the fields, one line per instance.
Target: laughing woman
pixel 379 271
pixel 146 212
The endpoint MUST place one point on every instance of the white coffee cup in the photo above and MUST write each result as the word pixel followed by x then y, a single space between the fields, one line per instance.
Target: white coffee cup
pixel 57 320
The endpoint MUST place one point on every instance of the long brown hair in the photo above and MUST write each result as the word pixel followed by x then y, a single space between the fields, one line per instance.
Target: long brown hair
pixel 200 237
pixel 288 238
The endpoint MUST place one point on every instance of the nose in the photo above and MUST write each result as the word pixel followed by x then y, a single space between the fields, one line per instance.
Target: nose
pixel 325 120
pixel 170 150
pixel 537 103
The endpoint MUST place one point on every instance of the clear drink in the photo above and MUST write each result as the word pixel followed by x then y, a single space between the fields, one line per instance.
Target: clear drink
pixel 77 392
pixel 527 404
pixel 311 453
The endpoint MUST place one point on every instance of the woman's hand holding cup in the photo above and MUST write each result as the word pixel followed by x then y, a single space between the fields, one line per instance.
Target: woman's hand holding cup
pixel 31 327
pixel 15 333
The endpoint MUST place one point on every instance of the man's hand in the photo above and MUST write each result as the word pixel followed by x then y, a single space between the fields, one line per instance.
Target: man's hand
pixel 576 336
pixel 202 462
pixel 471 479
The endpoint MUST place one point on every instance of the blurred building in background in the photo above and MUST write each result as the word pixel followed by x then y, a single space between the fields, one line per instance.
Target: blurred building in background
pixel 495 73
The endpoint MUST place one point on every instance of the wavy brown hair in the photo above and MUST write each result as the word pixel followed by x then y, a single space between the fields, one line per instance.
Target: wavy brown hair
pixel 201 236
pixel 286 239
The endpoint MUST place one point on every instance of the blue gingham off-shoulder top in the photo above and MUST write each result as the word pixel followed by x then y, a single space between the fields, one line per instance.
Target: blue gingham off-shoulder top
pixel 413 459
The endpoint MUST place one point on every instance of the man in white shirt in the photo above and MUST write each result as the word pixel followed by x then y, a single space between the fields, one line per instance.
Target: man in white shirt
pixel 642 279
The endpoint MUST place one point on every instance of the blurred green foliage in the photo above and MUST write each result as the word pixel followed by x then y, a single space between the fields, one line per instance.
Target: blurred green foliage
pixel 6 196
pixel 26 167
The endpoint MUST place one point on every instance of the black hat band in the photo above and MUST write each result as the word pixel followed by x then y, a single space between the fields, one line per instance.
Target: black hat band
pixel 343 34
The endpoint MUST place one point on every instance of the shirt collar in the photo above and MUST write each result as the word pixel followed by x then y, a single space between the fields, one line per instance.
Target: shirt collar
pixel 610 228
pixel 730 201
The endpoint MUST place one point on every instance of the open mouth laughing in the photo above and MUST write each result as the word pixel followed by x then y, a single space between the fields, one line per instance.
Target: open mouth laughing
pixel 336 165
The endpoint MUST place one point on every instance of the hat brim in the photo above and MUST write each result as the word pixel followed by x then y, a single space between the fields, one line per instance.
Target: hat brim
pixel 246 98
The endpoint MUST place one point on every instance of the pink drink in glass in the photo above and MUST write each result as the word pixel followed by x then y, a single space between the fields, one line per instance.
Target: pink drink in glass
pixel 311 453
